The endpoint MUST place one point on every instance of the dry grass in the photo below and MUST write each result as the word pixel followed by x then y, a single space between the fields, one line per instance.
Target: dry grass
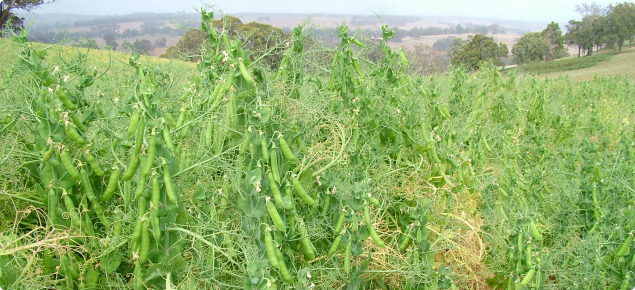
pixel 620 64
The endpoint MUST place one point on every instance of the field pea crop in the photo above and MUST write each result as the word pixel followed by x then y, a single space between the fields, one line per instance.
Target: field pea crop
pixel 336 169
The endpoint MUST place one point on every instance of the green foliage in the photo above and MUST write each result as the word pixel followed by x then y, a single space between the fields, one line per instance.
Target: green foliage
pixel 552 35
pixel 355 175
pixel 568 64
pixel 530 47
pixel 7 17
pixel 477 50
pixel 260 39
pixel 621 22
pixel 443 44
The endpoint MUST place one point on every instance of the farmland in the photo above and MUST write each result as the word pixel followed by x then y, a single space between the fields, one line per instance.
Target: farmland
pixel 328 171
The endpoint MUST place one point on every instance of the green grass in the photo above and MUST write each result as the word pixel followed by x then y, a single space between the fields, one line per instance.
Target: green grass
pixel 602 63
pixel 563 65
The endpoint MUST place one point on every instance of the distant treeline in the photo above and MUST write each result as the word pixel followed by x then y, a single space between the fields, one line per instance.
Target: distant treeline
pixel 329 35
pixel 192 19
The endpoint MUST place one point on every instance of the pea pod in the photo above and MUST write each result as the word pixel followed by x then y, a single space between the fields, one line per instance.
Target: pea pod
pixel 265 150
pixel 168 140
pixel 244 72
pixel 72 133
pixel 150 157
pixel 275 191
pixel 340 223
pixel 286 151
pixel 534 231
pixel 47 155
pixel 78 123
pixel 52 205
pixel 275 217
pixel 623 249
pixel 138 278
pixel 347 257
pixel 334 246
pixel 273 161
pixel 358 43
pixel 371 228
pixel 68 165
pixel 167 181
pixel 112 185
pixel 63 96
pixel 271 250
pixel 404 243
pixel 307 247
pixel 156 192
pixel 134 122
pixel 230 80
pixel 70 206
pixel 93 164
pixel 527 278
pixel 284 272
pixel 145 245
pixel 302 193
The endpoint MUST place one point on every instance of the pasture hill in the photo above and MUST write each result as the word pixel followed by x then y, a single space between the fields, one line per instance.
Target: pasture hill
pixel 327 170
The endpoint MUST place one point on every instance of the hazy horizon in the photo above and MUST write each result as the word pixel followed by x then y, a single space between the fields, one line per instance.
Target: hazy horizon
pixel 521 10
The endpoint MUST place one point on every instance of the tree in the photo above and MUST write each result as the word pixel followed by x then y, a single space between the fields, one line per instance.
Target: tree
pixel 7 17
pixel 478 49
pixel 111 41
pixel 256 37
pixel 530 47
pixel 620 22
pixel 552 36
pixel 142 46
pixel 160 42
pixel 580 33
pixel 443 44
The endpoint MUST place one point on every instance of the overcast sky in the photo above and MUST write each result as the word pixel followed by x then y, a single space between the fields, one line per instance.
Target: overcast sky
pixel 525 10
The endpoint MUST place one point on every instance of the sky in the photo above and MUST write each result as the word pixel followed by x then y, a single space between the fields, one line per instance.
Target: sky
pixel 523 10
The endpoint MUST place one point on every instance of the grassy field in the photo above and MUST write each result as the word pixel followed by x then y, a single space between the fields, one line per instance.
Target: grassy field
pixel 331 172
pixel 602 63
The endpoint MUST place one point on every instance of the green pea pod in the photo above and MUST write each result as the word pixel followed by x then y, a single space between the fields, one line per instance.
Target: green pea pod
pixel 275 217
pixel 74 135
pixel 286 151
pixel 284 272
pixel 167 138
pixel 371 228
pixel 302 193
pixel 534 231
pixel 169 188
pixel 273 161
pixel 63 96
pixel 52 205
pixel 78 123
pixel 134 122
pixel 347 257
pixel 132 168
pixel 150 157
pixel 145 245
pixel 265 150
pixel 275 192
pixel 340 223
pixel 334 246
pixel 93 164
pixel 527 278
pixel 244 72
pixel 112 185
pixel 47 155
pixel 307 247
pixel 68 165
pixel 271 250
